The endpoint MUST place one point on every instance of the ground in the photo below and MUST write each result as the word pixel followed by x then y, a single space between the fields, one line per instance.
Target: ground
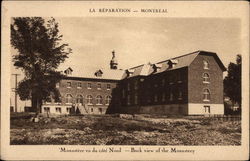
pixel 123 130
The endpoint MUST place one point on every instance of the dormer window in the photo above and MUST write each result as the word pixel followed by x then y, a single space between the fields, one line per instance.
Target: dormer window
pixel 157 67
pixel 68 71
pixel 130 72
pixel 205 64
pixel 98 73
pixel 172 63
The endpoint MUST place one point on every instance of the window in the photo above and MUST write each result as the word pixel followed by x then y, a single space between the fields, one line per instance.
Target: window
pixel 163 98
pixel 59 100
pixel 89 99
pixel 156 98
pixel 79 85
pixel 205 64
pixel 98 99
pixel 79 99
pixel 136 84
pixel 178 77
pixel 48 100
pixel 91 109
pixel 68 71
pixel 128 86
pixel 206 78
pixel 108 100
pixel 98 73
pixel 136 99
pixel 68 109
pixel 180 109
pixel 108 87
pixel 89 86
pixel 68 98
pixel 47 109
pixel 206 109
pixel 128 100
pixel 171 79
pixel 206 95
pixel 180 94
pixel 99 86
pixel 163 81
pixel 123 93
pixel 149 98
pixel 58 110
pixel 100 110
pixel 171 96
pixel 68 84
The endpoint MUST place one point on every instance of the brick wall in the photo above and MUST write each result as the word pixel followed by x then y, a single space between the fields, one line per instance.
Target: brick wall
pixel 150 90
pixel 196 84
pixel 84 91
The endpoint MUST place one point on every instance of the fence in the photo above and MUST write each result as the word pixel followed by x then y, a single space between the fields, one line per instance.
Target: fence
pixel 217 117
pixel 226 117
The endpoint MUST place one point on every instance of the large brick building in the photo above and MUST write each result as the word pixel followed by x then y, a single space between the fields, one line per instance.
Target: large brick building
pixel 190 84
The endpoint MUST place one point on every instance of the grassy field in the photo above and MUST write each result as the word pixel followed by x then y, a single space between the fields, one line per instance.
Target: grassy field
pixel 114 130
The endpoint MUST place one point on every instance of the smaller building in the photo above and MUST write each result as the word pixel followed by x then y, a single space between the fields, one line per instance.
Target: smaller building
pixel 86 90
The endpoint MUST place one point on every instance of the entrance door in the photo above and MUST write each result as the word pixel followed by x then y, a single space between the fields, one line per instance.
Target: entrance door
pixel 206 109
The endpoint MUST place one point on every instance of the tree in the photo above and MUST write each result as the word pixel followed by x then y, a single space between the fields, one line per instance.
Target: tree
pixel 39 54
pixel 232 82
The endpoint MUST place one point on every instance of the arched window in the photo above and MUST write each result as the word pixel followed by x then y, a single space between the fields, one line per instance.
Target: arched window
pixel 206 95
pixel 206 78
pixel 69 98
pixel 98 99
pixel 108 100
pixel 79 99
pixel 205 64
pixel 89 99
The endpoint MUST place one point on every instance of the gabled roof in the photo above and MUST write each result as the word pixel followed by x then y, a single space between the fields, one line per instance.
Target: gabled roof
pixel 141 70
pixel 90 72
pixel 172 64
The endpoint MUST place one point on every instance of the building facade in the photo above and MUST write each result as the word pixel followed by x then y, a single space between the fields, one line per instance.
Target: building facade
pixel 190 84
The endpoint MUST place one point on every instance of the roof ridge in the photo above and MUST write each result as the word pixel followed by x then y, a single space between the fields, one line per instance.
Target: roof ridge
pixel 198 51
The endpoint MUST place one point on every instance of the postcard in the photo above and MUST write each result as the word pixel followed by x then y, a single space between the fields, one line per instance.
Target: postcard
pixel 125 80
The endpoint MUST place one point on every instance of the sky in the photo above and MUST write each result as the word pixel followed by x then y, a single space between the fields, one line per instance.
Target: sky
pixel 139 40
pixel 142 40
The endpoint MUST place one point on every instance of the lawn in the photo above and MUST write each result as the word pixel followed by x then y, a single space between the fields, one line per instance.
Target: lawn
pixel 117 130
